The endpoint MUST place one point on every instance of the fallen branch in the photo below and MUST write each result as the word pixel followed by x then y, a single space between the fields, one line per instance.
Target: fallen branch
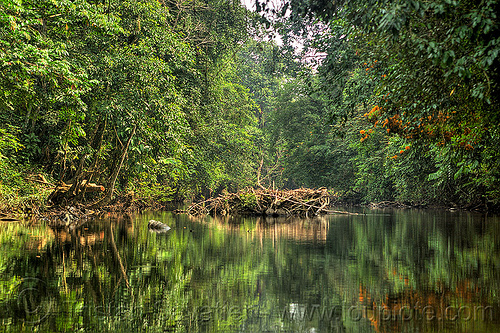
pixel 267 202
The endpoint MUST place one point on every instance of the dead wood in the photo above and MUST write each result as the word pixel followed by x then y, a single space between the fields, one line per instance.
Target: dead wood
pixel 267 202
pixel 63 193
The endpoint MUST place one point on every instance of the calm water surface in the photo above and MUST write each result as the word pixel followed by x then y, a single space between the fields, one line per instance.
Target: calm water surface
pixel 386 271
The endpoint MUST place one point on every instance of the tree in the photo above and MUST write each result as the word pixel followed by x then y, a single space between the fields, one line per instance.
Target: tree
pixel 421 71
pixel 137 94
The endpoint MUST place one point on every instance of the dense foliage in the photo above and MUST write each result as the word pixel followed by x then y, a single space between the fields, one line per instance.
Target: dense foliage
pixel 412 89
pixel 376 100
pixel 136 95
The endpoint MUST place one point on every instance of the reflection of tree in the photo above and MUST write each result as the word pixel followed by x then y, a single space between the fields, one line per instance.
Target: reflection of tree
pixel 426 259
pixel 88 271
pixel 243 274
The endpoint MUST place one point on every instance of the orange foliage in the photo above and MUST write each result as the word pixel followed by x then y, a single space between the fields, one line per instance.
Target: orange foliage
pixel 386 311
pixel 374 112
pixel 435 126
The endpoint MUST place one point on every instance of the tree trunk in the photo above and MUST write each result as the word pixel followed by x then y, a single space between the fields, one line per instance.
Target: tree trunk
pixel 117 169
pixel 95 143
pixel 79 180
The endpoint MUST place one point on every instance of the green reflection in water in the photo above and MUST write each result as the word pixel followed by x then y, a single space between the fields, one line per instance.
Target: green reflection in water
pixel 386 271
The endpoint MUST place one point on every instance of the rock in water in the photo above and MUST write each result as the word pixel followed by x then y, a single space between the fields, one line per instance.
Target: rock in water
pixel 157 226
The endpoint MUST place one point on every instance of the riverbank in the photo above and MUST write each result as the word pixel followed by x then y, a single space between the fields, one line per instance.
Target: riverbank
pixel 26 193
pixel 31 200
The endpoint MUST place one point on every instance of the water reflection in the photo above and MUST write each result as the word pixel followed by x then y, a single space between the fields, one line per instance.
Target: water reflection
pixel 312 230
pixel 385 271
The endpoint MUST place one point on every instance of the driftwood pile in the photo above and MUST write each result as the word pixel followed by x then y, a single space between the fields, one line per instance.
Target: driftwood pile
pixel 266 202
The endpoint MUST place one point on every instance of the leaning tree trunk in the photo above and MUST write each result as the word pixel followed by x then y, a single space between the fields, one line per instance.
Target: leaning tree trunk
pixel 95 143
pixel 77 181
pixel 116 171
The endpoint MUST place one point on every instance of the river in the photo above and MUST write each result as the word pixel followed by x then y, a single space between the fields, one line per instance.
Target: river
pixel 381 271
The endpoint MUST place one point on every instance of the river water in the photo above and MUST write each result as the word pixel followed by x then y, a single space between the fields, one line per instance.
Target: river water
pixel 382 271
